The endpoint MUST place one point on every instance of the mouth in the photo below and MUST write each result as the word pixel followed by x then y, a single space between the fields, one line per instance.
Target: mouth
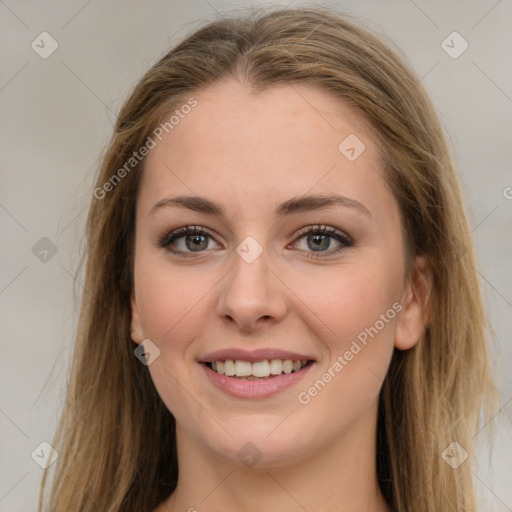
pixel 258 374
pixel 258 370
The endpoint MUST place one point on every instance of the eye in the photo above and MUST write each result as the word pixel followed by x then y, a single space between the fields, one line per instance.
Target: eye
pixel 187 239
pixel 317 240
pixel 320 239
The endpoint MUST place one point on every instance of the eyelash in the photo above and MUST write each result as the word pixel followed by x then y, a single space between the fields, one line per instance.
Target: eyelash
pixel 166 240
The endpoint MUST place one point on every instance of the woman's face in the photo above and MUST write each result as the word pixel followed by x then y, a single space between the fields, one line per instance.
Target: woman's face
pixel 297 257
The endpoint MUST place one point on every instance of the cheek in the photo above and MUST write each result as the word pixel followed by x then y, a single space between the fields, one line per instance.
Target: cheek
pixel 351 298
pixel 357 305
pixel 168 299
pixel 171 306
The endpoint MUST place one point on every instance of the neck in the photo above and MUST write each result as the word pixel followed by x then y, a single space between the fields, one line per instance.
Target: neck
pixel 341 477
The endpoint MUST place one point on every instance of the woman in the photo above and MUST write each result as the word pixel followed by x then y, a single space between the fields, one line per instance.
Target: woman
pixel 282 308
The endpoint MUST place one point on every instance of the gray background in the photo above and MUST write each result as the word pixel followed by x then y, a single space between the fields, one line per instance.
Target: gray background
pixel 57 115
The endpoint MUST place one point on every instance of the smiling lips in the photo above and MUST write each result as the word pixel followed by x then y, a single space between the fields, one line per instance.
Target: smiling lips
pixel 256 374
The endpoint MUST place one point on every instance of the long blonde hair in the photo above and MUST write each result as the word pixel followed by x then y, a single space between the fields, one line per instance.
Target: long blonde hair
pixel 116 438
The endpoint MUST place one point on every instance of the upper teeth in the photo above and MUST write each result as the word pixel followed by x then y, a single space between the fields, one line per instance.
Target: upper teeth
pixel 264 368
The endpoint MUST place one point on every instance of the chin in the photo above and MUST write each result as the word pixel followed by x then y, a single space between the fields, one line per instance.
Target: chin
pixel 264 440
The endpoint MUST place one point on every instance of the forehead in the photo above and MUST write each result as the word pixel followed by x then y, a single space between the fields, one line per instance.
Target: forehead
pixel 285 141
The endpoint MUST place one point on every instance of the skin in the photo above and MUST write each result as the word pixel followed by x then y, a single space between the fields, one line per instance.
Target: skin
pixel 249 153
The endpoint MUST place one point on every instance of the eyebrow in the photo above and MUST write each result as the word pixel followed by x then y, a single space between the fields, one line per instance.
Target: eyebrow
pixel 294 205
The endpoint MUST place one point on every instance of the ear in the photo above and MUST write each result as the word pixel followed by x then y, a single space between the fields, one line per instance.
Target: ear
pixel 136 328
pixel 415 315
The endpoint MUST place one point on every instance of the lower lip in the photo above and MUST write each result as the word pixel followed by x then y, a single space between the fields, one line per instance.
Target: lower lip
pixel 263 388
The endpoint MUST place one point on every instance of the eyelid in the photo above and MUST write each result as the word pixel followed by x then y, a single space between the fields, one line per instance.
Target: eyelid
pixel 325 229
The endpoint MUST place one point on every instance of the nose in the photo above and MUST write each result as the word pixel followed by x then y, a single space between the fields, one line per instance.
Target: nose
pixel 252 296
